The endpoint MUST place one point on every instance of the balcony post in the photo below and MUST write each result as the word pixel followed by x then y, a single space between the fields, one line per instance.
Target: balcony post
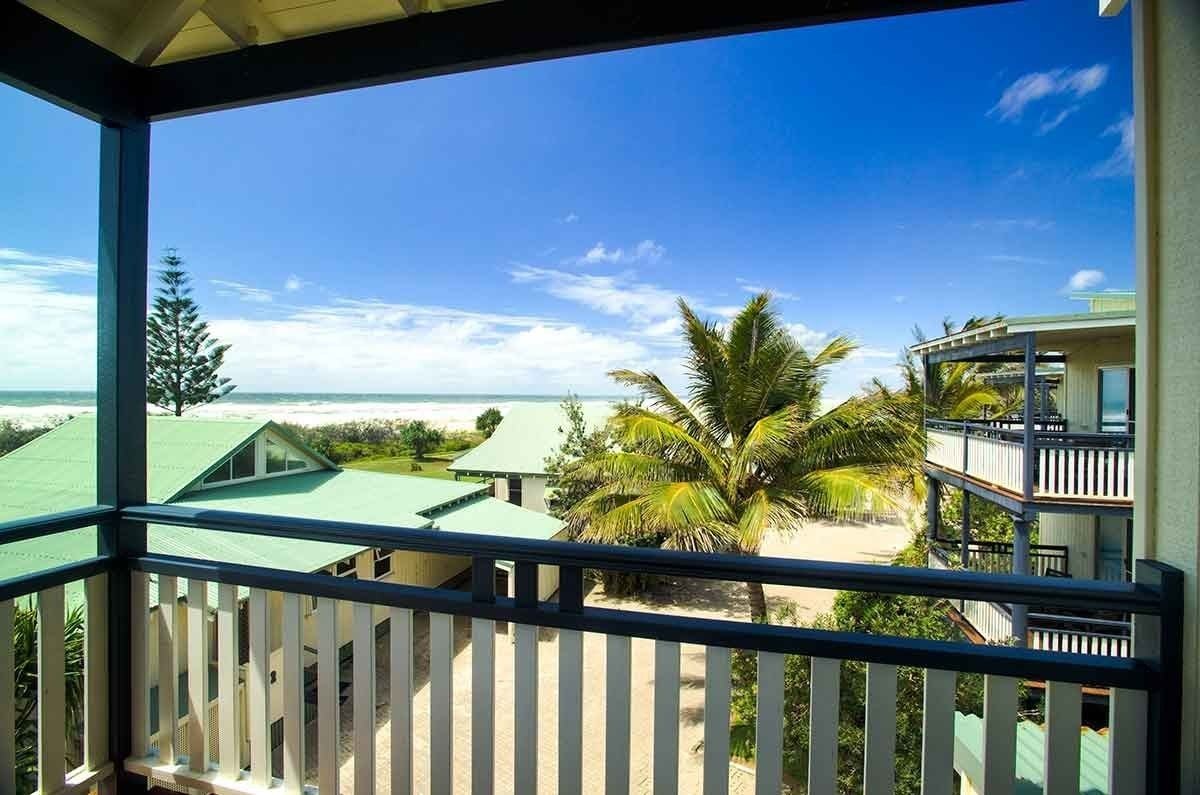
pixel 933 493
pixel 965 534
pixel 1020 565
pixel 1159 641
pixel 1029 450
pixel 121 403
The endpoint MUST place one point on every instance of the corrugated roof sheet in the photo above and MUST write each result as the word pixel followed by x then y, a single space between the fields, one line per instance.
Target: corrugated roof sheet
pixel 1031 749
pixel 527 435
pixel 496 517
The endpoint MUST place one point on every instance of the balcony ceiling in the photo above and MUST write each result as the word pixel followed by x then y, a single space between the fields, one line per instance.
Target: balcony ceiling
pixel 151 32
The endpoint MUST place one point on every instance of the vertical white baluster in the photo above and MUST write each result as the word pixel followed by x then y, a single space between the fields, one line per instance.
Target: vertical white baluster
pixel 823 716
pixel 618 668
pixel 441 704
pixel 329 687
pixel 999 734
pixel 197 676
pixel 228 720
pixel 293 695
pixel 483 705
pixel 937 738
pixel 95 673
pixel 168 670
pixel 364 699
pixel 570 712
pixel 1127 741
pixel 1063 720
pixel 8 707
pixel 666 717
pixel 258 689
pixel 525 734
pixel 139 656
pixel 768 774
pixel 879 768
pixel 717 672
pixel 51 708
pixel 401 653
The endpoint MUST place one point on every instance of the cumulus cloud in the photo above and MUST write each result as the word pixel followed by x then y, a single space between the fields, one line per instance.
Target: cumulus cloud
pixel 570 218
pixel 1084 279
pixel 242 292
pixel 1036 86
pixel 645 251
pixel 616 295
pixel 811 339
pixel 1120 162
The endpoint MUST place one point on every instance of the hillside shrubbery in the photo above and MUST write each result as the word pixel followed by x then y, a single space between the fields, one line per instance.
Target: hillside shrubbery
pixel 342 442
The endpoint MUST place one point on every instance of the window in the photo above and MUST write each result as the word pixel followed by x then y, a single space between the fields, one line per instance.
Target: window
pixel 238 466
pixel 383 563
pixel 280 459
pixel 514 491
pixel 346 568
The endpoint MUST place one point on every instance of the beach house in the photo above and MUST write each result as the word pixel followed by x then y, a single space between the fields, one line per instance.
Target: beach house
pixel 201 466
pixel 1066 461
pixel 128 66
pixel 515 455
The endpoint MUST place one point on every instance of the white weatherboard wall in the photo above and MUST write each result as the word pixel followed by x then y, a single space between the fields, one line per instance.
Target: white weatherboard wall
pixel 533 494
pixel 1078 400
pixel 1166 66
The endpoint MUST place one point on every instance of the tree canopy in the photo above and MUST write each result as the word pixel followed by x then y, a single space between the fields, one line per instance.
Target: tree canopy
pixel 488 420
pixel 182 357
pixel 421 437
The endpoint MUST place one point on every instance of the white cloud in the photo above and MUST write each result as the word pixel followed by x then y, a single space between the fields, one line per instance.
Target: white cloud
pixel 899 298
pixel 617 295
pixel 1018 259
pixel 47 331
pixel 1031 224
pixel 1035 86
pixel 242 292
pixel 1050 124
pixel 811 339
pixel 647 251
pixel 755 288
pixel 294 283
pixel 570 218
pixel 1120 162
pixel 1084 279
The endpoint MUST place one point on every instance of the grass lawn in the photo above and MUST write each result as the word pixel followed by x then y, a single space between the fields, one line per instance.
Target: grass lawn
pixel 430 467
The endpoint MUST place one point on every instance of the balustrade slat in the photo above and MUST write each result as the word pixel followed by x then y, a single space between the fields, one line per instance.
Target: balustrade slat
pixel 570 712
pixel 717 672
pixel 51 708
pixel 8 707
pixel 1127 741
pixel 525 730
pixel 1063 720
pixel 999 734
pixel 364 698
pixel 293 695
pixel 441 703
pixel 823 716
pixel 937 737
pixel 768 753
pixel 258 688
pixel 139 657
pixel 328 695
pixel 168 669
pixel 95 673
pixel 228 723
pixel 197 675
pixel 401 688
pixel 483 705
pixel 879 770
pixel 666 717
pixel 618 670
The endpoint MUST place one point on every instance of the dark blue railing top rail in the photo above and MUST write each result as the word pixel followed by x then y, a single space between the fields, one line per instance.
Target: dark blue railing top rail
pixel 1042 438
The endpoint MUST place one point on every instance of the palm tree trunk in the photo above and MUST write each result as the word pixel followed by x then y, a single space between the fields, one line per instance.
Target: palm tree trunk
pixel 758 602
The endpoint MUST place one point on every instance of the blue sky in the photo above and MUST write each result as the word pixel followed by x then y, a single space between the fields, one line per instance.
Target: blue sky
pixel 526 229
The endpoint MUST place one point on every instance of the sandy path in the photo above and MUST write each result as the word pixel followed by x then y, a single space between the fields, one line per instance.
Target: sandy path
pixel 848 543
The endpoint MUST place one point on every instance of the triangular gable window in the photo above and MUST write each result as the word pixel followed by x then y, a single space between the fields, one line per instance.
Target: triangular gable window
pixel 238 466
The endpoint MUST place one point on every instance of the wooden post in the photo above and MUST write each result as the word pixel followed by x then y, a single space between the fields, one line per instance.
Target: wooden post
pixel 1020 565
pixel 933 493
pixel 121 408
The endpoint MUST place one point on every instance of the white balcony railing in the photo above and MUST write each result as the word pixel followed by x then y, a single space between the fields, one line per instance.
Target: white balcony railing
pixel 1067 466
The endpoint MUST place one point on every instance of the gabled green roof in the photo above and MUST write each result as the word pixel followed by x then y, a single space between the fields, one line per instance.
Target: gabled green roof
pixel 528 434
pixel 1031 750
pixel 497 517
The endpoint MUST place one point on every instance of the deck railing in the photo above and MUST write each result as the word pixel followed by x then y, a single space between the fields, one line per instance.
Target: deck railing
pixel 995 557
pixel 1144 688
pixel 1067 466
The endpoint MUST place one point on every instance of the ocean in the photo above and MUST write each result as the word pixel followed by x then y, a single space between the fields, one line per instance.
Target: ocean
pixel 452 412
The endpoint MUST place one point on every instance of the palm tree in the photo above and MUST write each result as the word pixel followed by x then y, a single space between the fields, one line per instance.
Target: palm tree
pixel 957 390
pixel 748 451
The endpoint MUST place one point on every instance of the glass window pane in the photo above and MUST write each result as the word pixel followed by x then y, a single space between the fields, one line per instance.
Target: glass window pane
pixel 243 462
pixel 220 474
pixel 1114 399
pixel 296 463
pixel 276 458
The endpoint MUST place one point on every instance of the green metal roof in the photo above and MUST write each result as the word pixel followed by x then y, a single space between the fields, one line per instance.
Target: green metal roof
pixel 1031 749
pixel 497 517
pixel 527 435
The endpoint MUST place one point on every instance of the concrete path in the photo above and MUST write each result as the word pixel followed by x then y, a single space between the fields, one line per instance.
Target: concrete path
pixel 849 543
